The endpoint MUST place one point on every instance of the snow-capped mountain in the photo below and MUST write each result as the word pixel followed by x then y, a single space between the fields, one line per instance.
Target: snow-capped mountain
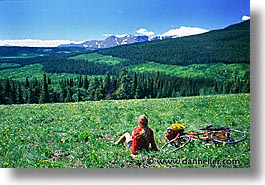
pixel 143 36
pixel 111 41
pixel 161 37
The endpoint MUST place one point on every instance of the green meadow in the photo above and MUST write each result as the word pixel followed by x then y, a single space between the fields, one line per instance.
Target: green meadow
pixel 95 57
pixel 81 135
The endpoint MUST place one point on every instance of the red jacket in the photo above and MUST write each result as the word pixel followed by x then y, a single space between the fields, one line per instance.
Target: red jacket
pixel 136 145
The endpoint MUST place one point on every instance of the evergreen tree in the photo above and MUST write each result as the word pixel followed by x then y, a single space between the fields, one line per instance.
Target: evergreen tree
pixel 135 84
pixel 13 93
pixel 151 88
pixel 124 90
pixel 63 94
pixel 1 94
pixel 35 92
pixel 99 93
pixel 80 81
pixel 19 94
pixel 77 96
pixel 114 86
pixel 27 83
pixel 44 97
pixel 68 96
pixel 139 92
pixel 7 93
pixel 85 83
pixel 107 86
pixel 91 91
pixel 49 81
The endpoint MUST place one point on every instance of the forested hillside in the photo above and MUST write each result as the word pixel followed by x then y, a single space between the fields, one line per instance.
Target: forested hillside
pixel 229 45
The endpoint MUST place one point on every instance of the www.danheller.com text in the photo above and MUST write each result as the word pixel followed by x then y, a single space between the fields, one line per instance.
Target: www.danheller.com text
pixel 185 161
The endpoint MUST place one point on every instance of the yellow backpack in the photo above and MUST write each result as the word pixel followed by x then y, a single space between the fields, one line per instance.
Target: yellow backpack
pixel 177 127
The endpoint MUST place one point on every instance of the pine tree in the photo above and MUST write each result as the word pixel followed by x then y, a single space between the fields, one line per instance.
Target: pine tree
pixel 63 93
pixel 91 91
pixel 107 86
pixel 1 94
pixel 7 93
pixel 124 90
pixel 27 83
pixel 139 91
pixel 135 84
pixel 85 83
pixel 13 93
pixel 80 81
pixel 49 81
pixel 77 96
pixel 99 93
pixel 44 97
pixel 114 86
pixel 19 94
pixel 68 96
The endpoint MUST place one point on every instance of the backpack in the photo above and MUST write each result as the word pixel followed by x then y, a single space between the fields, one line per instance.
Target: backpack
pixel 174 130
pixel 177 127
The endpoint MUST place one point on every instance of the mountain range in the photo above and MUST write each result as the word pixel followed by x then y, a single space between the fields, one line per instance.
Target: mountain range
pixel 117 40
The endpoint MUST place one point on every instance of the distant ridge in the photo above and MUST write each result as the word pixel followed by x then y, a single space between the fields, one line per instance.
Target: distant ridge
pixel 110 41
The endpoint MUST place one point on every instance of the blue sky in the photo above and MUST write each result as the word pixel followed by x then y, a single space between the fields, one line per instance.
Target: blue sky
pixel 80 20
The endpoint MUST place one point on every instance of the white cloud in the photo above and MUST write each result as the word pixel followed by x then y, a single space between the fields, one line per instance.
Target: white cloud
pixel 122 35
pixel 184 31
pixel 117 35
pixel 143 31
pixel 36 42
pixel 245 17
pixel 106 35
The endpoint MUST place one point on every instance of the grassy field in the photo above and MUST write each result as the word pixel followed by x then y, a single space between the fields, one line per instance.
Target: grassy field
pixel 195 70
pixel 81 135
pixel 95 57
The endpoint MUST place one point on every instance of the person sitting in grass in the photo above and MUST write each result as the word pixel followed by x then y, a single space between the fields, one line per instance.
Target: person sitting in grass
pixel 141 137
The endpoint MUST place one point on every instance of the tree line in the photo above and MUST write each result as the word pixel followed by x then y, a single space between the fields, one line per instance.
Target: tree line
pixel 128 85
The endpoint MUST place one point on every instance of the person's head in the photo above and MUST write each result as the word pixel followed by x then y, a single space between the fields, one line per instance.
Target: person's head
pixel 143 120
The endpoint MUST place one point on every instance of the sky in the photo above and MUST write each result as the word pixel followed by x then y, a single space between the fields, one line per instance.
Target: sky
pixel 62 21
